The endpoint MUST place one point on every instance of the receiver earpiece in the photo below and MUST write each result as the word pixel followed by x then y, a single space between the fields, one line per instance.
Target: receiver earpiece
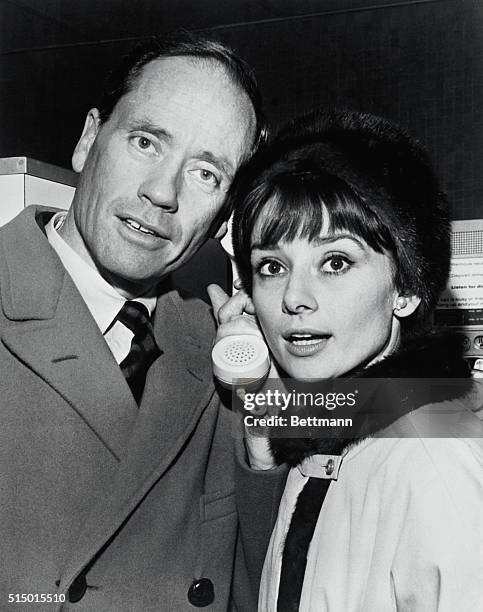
pixel 241 358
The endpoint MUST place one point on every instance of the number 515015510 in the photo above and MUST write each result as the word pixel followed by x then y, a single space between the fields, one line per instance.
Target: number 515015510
pixel 36 597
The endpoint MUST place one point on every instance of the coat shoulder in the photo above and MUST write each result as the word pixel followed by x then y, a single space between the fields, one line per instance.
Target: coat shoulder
pixel 197 315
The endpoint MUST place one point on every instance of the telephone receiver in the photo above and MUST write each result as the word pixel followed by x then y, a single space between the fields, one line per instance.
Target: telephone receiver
pixel 241 359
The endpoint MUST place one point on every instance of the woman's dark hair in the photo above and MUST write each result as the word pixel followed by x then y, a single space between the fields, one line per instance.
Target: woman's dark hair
pixel 182 44
pixel 366 176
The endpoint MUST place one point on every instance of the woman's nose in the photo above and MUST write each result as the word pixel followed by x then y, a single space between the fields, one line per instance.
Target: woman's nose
pixel 298 296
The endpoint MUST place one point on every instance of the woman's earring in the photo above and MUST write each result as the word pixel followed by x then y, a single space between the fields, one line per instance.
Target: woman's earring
pixel 401 303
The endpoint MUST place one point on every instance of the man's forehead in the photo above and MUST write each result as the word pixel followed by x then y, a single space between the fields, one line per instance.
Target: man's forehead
pixel 169 73
pixel 200 87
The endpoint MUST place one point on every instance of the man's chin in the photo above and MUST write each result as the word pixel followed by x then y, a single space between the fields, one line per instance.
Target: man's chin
pixel 135 283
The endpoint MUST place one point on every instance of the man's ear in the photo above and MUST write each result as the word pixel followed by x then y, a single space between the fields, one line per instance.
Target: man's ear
pixel 89 133
pixel 405 305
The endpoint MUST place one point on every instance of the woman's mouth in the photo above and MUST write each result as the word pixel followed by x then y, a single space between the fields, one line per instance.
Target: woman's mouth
pixel 303 344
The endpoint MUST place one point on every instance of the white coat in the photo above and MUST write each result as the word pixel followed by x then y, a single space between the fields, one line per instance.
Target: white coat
pixel 401 525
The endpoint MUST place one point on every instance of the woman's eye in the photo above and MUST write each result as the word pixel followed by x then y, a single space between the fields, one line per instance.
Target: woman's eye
pixel 336 264
pixel 270 268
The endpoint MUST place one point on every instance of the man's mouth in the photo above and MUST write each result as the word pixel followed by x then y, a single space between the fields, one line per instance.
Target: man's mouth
pixel 138 227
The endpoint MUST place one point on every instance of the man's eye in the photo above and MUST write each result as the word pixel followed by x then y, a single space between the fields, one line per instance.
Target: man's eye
pixel 143 143
pixel 270 268
pixel 336 264
pixel 208 177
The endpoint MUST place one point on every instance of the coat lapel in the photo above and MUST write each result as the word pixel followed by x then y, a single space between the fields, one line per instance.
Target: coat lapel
pixel 52 331
pixel 178 388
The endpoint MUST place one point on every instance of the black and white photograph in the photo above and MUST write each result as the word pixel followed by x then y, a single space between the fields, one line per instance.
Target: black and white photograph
pixel 241 305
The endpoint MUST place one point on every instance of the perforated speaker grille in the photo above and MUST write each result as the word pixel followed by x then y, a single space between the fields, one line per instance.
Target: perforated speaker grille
pixel 239 352
pixel 467 243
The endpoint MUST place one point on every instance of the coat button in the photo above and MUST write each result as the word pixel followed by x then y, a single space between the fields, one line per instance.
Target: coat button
pixel 77 589
pixel 201 593
pixel 329 468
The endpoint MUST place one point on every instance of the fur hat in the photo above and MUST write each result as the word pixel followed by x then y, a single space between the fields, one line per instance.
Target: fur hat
pixel 389 172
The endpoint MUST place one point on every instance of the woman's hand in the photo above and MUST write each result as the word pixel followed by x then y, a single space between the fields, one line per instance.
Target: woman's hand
pixel 236 315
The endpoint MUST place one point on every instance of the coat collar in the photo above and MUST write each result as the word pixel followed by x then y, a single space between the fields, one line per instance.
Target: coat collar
pixel 29 262
pixel 50 329
pixel 434 356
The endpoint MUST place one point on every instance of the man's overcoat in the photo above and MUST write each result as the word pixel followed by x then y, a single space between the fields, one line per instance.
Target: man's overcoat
pixel 136 502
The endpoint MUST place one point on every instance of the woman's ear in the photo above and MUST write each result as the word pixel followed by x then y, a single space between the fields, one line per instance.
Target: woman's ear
pixel 89 133
pixel 405 305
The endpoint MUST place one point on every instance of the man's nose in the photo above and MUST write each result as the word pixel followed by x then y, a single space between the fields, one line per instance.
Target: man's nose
pixel 160 187
pixel 298 297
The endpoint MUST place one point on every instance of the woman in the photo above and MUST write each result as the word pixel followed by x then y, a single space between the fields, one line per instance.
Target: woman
pixel 341 236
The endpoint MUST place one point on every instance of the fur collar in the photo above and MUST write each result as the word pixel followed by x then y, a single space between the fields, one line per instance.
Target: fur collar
pixel 435 356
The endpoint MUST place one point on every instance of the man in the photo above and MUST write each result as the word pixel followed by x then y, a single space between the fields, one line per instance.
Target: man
pixel 116 466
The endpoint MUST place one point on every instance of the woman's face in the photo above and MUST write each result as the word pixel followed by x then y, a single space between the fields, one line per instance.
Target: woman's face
pixel 325 306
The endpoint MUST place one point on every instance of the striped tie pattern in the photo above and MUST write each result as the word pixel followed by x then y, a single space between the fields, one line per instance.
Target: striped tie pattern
pixel 144 350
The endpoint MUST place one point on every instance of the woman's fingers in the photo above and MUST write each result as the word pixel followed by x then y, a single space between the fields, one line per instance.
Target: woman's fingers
pixel 217 297
pixel 232 313
pixel 238 326
pixel 226 308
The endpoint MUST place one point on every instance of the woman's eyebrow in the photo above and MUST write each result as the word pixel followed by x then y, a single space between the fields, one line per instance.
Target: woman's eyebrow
pixel 265 246
pixel 330 238
pixel 319 241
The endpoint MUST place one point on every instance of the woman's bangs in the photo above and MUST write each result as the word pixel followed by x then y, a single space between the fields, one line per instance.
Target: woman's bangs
pixel 350 214
pixel 286 215
pixel 305 206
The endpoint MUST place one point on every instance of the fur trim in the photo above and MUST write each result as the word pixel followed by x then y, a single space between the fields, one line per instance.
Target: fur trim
pixel 435 356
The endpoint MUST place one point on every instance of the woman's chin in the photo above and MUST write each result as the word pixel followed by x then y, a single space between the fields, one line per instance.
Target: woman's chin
pixel 310 370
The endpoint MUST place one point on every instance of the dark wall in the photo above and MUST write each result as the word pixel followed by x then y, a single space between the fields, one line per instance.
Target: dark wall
pixel 421 64
pixel 418 62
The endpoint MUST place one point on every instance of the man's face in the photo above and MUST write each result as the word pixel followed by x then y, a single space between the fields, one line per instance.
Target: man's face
pixel 155 175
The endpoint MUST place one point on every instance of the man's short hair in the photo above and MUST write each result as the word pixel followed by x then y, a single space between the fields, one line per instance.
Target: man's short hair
pixel 182 44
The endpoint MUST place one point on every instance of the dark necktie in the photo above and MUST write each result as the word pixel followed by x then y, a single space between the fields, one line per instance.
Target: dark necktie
pixel 297 541
pixel 144 350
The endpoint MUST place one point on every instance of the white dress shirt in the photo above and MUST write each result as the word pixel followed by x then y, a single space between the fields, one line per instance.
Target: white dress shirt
pixel 103 301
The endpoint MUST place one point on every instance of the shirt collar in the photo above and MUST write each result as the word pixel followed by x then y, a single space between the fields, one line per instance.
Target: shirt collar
pixel 103 301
